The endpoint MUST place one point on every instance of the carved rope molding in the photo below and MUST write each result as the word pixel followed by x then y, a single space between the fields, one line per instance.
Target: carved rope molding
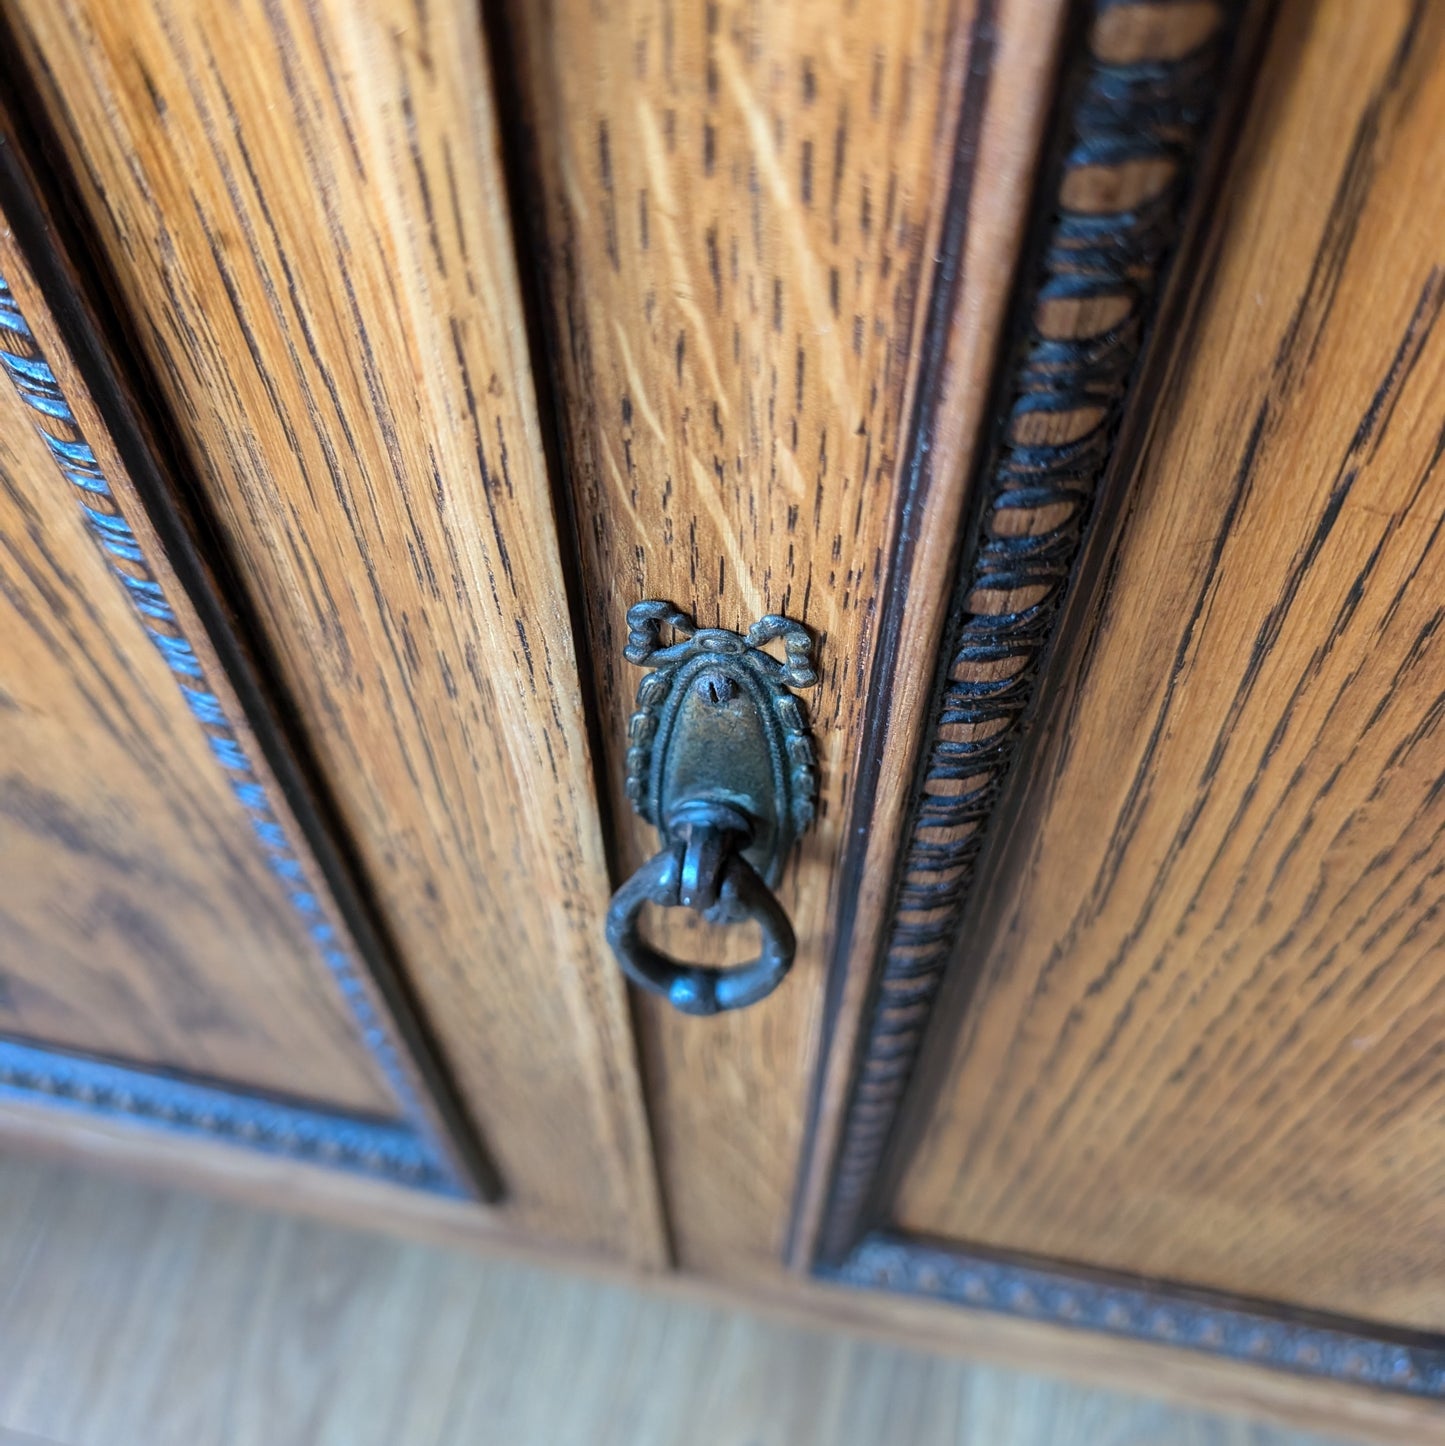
pixel 1129 135
pixel 409 1154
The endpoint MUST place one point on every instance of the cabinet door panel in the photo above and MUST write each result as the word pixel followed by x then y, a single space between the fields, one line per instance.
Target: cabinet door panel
pixel 170 952
pixel 748 220
pixel 138 918
pixel 1205 1041
pixel 1152 1046
pixel 303 210
pixel 1140 124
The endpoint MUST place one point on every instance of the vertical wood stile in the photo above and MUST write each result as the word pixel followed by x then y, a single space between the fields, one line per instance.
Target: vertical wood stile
pixel 741 219
pixel 302 208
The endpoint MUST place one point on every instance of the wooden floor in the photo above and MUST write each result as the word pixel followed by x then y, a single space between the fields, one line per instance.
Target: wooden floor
pixel 132 1316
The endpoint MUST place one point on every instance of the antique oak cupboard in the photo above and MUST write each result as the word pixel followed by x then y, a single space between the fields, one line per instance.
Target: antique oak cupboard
pixel 947 491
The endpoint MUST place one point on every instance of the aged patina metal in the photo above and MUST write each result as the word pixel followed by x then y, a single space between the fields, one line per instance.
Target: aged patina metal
pixel 721 763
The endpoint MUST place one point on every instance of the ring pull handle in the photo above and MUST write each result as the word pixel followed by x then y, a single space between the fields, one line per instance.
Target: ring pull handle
pixel 729 891
pixel 722 763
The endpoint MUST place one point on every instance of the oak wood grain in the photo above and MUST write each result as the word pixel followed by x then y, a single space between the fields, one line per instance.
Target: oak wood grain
pixel 1139 96
pixel 303 210
pixel 131 1314
pixel 739 222
pixel 139 918
pixel 1205 1040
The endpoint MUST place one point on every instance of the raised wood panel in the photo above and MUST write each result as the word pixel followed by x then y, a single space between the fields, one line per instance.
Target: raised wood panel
pixel 1205 1039
pixel 302 208
pixel 140 917
pixel 743 216
pixel 183 950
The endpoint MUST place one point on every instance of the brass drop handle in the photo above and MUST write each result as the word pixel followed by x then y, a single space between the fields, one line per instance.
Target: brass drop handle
pixel 722 764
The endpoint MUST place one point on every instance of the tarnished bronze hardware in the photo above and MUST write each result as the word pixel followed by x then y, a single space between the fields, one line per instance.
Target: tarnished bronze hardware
pixel 721 763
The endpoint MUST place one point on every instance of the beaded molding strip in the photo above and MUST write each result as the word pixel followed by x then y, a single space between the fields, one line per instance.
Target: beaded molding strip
pixel 1317 1347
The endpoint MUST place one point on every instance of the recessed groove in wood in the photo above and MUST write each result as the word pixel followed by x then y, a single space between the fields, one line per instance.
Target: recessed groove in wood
pixel 1110 210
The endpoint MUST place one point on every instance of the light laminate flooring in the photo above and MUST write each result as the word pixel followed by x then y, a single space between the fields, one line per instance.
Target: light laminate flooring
pixel 136 1316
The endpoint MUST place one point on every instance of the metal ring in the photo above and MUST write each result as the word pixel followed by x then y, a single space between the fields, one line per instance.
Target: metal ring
pixel 701 988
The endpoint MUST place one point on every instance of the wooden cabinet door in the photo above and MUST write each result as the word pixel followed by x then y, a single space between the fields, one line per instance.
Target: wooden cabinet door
pixel 772 248
pixel 759 378
pixel 1066 370
pixel 175 951
pixel 1181 1074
